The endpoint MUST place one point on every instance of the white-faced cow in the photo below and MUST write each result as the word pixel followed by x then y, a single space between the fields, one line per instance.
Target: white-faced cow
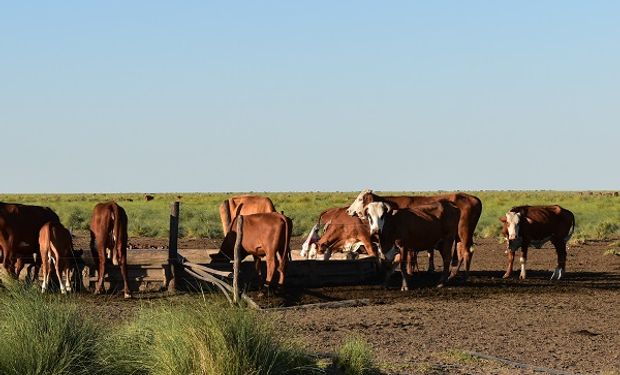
pixel 265 235
pixel 341 232
pixel 425 227
pixel 526 226
pixel 470 210
pixel 250 204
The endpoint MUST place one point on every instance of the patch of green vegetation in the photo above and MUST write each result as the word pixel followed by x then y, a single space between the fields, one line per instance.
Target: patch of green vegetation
pixel 48 334
pixel 355 357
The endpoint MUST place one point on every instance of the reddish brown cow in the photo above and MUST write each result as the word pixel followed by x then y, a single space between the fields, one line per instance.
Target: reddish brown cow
pixel 250 204
pixel 108 234
pixel 340 231
pixel 19 234
pixel 56 246
pixel 470 210
pixel 535 225
pixel 426 227
pixel 264 235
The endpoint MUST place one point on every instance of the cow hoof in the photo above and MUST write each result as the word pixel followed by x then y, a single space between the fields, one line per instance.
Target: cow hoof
pixel 404 289
pixel 127 295
pixel 440 285
pixel 521 277
pixel 97 291
pixel 506 276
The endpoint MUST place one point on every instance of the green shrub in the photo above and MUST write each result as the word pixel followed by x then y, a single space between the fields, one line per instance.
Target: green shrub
pixel 46 335
pixel 355 357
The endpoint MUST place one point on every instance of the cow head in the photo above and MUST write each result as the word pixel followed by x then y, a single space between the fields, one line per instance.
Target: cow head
pixel 308 248
pixel 376 213
pixel 512 222
pixel 357 207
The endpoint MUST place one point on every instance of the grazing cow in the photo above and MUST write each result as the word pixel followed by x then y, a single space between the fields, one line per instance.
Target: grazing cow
pixel 56 246
pixel 264 235
pixel 535 225
pixel 470 210
pixel 108 239
pixel 426 227
pixel 251 204
pixel 341 232
pixel 19 234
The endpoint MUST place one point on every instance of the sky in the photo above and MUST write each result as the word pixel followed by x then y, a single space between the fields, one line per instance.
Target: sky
pixel 218 96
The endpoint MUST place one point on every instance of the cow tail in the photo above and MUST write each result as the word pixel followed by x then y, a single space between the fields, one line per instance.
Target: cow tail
pixel 572 229
pixel 117 233
pixel 287 244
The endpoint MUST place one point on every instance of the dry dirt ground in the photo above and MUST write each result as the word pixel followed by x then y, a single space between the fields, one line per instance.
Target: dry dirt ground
pixel 569 326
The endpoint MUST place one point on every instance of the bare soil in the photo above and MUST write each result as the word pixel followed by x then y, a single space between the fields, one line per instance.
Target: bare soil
pixel 566 326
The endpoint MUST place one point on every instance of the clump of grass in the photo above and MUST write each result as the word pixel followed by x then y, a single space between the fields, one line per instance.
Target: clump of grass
pixel 44 335
pixel 612 252
pixel 203 338
pixel 355 357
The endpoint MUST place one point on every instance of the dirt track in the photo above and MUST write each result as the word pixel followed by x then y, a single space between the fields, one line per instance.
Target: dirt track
pixel 572 325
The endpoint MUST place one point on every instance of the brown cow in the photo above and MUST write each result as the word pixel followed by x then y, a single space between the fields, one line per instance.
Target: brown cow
pixel 56 246
pixel 341 232
pixel 469 205
pixel 108 234
pixel 250 204
pixel 264 235
pixel 426 227
pixel 19 234
pixel 535 225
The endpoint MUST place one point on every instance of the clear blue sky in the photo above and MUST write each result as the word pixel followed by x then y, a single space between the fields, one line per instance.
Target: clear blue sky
pixel 132 96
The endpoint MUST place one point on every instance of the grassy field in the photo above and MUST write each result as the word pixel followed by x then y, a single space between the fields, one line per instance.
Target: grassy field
pixel 597 213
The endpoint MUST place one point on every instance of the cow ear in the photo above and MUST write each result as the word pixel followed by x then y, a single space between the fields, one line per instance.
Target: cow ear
pixel 388 207
pixel 502 219
pixel 529 221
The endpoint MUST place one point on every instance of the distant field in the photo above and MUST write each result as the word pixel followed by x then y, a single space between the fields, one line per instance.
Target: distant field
pixel 597 213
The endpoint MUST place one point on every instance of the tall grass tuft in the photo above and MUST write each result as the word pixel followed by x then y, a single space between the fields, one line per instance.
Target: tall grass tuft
pixel 205 338
pixel 44 335
pixel 355 357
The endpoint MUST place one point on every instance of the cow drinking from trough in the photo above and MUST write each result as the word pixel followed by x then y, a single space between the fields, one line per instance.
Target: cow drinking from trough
pixel 426 227
pixel 341 232
pixel 535 225
pixel 470 210
pixel 108 239
pixel 265 235
pixel 19 234
pixel 250 204
pixel 56 245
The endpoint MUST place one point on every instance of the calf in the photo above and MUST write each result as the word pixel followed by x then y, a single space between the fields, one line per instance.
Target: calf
pixel 535 225
pixel 264 235
pixel 340 233
pixel 243 205
pixel 56 247
pixel 425 227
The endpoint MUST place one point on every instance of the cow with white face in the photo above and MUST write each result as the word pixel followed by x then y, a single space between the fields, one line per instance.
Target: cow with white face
pixel 535 225
pixel 308 248
pixel 424 228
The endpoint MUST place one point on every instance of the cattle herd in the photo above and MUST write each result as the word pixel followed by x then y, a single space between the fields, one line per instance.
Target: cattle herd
pixel 392 229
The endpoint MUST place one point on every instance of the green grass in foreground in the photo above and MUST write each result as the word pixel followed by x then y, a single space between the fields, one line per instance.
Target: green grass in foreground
pixel 48 334
pixel 597 213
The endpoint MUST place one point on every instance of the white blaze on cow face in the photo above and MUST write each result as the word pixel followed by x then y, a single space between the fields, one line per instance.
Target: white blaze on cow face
pixel 357 207
pixel 376 213
pixel 512 221
pixel 313 237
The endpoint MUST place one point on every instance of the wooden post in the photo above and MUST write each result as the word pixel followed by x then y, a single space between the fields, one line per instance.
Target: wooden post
pixel 173 255
pixel 237 259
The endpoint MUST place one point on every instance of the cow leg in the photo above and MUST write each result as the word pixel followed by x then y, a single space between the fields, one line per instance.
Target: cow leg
pixel 446 258
pixel 431 261
pixel 328 254
pixel 403 267
pixel 59 264
pixel 7 259
pixel 101 257
pixel 270 259
pixel 122 263
pixel 257 267
pixel 511 259
pixel 523 260
pixel 45 266
pixel 560 249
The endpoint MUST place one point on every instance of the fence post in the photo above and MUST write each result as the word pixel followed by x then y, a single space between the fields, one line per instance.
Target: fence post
pixel 237 259
pixel 173 255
